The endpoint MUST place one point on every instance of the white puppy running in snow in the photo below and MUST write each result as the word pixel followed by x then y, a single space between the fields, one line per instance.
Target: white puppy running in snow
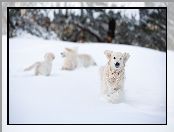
pixel 112 76
pixel 72 59
pixel 43 67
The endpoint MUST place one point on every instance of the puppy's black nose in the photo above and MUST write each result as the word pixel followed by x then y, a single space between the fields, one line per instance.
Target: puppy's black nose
pixel 117 64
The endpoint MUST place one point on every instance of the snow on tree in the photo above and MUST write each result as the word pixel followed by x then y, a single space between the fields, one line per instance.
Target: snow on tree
pixel 91 25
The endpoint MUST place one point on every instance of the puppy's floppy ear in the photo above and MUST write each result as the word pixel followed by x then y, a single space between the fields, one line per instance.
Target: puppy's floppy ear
pixel 52 56
pixel 108 53
pixel 126 57
pixel 49 56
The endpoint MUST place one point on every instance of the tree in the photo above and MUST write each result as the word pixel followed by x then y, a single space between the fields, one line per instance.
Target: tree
pixel 153 26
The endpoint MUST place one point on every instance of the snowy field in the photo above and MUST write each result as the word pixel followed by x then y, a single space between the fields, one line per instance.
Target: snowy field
pixel 74 96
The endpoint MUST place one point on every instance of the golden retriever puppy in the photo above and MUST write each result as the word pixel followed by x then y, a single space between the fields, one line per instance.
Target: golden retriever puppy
pixel 73 59
pixel 43 67
pixel 112 76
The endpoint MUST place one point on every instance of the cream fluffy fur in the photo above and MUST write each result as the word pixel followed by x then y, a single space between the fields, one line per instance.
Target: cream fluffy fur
pixel 43 67
pixel 112 76
pixel 73 59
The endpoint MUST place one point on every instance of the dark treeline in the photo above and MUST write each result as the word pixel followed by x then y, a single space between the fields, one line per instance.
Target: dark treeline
pixel 92 25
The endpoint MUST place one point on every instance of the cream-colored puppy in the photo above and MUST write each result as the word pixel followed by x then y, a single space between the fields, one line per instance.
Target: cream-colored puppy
pixel 73 59
pixel 112 76
pixel 43 67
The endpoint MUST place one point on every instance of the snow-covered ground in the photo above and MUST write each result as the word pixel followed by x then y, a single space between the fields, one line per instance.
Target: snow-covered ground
pixel 74 96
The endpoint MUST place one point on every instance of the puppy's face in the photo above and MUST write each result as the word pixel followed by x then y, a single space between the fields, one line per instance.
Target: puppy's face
pixel 49 56
pixel 68 52
pixel 116 60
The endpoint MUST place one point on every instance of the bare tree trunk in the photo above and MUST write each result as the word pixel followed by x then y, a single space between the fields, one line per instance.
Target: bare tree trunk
pixel 111 31
pixel 90 30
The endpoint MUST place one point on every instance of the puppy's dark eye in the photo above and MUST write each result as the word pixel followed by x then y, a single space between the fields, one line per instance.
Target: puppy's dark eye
pixel 114 58
pixel 120 58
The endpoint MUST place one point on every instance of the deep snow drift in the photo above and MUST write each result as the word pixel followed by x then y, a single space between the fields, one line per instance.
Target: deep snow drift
pixel 74 96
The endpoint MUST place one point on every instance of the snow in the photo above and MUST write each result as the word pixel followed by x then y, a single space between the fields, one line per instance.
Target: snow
pixel 96 14
pixel 76 11
pixel 124 12
pixel 74 96
pixel 127 12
